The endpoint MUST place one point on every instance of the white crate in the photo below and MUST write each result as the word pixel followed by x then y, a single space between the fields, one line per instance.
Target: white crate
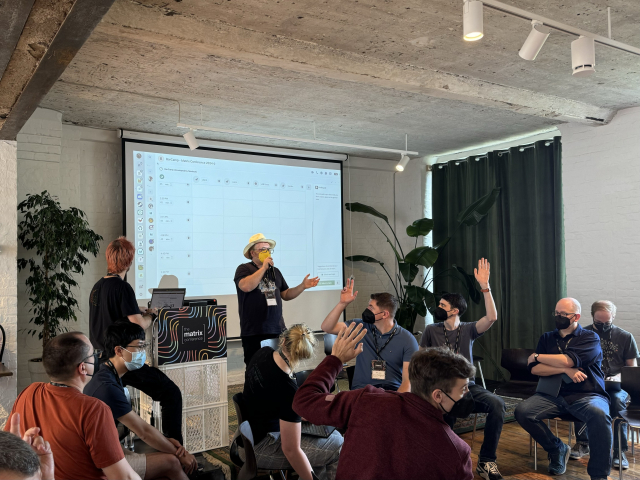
pixel 201 383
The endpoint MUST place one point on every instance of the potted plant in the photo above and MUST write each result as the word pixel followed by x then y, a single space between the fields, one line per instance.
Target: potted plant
pixel 417 299
pixel 59 239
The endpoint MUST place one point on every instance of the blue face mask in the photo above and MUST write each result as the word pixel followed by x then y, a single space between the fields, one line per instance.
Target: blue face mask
pixel 137 360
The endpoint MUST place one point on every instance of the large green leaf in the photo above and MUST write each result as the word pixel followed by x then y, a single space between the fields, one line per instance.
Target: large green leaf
pixel 362 258
pixel 474 213
pixel 360 207
pixel 408 271
pixel 440 246
pixel 420 227
pixel 398 257
pixel 415 294
pixel 470 282
pixel 430 301
pixel 425 256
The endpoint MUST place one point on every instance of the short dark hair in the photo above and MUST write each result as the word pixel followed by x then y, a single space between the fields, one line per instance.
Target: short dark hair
pixel 386 301
pixel 456 300
pixel 121 334
pixel 17 456
pixel 437 368
pixel 63 354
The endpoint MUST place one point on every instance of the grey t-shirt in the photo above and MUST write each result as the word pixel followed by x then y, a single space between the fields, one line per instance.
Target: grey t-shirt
pixel 433 336
pixel 618 345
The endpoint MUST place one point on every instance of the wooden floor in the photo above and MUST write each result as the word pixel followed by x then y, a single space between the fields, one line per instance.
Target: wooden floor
pixel 514 461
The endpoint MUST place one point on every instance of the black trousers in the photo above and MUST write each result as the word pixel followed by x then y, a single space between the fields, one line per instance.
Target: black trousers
pixel 251 344
pixel 161 388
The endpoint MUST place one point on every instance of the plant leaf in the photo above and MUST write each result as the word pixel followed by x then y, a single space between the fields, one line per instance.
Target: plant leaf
pixel 470 282
pixel 360 207
pixel 474 213
pixel 362 258
pixel 408 271
pixel 440 246
pixel 415 293
pixel 430 301
pixel 398 257
pixel 425 256
pixel 420 227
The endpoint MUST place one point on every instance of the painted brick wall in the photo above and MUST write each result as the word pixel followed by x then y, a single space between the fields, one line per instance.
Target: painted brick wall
pixel 8 274
pixel 82 167
pixel 601 187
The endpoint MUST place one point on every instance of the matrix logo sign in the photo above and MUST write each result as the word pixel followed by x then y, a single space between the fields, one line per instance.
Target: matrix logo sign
pixel 194 334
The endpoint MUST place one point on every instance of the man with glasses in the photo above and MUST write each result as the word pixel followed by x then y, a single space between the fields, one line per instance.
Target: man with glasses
pixel 79 428
pixel 125 346
pixel 261 289
pixel 568 360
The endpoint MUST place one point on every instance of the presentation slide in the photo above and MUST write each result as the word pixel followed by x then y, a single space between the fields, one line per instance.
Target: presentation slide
pixel 191 213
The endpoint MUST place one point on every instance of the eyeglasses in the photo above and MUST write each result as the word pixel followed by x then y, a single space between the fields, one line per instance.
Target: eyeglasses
pixel 96 355
pixel 270 250
pixel 141 346
pixel 563 314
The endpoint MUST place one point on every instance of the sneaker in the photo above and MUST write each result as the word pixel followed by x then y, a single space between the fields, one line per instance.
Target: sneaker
pixel 489 471
pixel 616 460
pixel 558 461
pixel 579 450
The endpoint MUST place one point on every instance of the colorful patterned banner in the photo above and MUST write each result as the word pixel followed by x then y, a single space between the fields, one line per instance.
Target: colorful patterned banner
pixel 190 334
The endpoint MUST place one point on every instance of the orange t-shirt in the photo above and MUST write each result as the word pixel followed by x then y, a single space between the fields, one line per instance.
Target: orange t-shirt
pixel 80 429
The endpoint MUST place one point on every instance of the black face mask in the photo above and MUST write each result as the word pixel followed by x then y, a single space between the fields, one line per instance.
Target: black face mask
pixel 368 316
pixel 562 322
pixel 441 314
pixel 461 408
pixel 602 327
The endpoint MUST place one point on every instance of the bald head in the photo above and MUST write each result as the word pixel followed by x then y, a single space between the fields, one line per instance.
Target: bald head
pixel 568 305
pixel 64 353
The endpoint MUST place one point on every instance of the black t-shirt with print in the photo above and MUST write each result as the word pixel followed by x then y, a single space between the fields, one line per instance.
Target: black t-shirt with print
pixel 268 395
pixel 112 299
pixel 618 346
pixel 256 317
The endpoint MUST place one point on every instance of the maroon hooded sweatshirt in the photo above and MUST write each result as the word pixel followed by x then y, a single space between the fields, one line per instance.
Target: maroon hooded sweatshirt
pixel 389 435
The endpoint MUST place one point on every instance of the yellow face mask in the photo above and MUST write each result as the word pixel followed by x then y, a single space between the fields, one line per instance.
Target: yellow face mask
pixel 264 255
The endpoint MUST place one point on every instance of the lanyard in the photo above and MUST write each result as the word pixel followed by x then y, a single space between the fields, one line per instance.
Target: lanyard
pixel 375 340
pixel 292 375
pixel 565 345
pixel 446 339
pixel 115 372
pixel 59 385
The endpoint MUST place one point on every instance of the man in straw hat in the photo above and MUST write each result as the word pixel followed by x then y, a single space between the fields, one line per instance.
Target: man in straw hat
pixel 261 289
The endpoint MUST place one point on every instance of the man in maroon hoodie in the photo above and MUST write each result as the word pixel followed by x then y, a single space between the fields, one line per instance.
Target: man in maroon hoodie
pixel 391 435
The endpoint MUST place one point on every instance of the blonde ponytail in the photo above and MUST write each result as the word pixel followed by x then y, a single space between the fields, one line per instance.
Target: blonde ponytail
pixel 298 341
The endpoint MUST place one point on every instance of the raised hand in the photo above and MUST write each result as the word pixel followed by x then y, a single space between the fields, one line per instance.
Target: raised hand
pixel 348 344
pixel 310 282
pixel 38 444
pixel 482 273
pixel 347 296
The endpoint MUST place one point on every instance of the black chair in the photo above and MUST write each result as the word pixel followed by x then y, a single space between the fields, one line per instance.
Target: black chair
pixel 478 359
pixel 302 376
pixel 250 468
pixel 270 342
pixel 350 371
pixel 631 415
pixel 522 383
pixel 233 450
pixel 329 339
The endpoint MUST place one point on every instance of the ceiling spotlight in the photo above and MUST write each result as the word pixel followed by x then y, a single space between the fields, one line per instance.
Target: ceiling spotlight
pixel 583 56
pixel 404 159
pixel 472 20
pixel 534 42
pixel 191 140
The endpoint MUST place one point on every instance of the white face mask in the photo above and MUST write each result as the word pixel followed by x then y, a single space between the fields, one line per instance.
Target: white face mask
pixel 137 360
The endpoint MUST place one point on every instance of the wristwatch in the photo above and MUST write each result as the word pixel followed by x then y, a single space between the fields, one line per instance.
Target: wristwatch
pixel 535 357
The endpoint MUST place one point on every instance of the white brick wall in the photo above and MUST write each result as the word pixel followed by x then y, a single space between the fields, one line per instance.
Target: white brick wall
pixel 82 166
pixel 8 274
pixel 601 188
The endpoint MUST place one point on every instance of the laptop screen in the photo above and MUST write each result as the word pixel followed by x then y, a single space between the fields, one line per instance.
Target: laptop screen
pixel 167 297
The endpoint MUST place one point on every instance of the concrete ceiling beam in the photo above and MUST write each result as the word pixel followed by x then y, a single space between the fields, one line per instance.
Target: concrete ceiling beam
pixel 151 24
pixel 12 20
pixel 52 35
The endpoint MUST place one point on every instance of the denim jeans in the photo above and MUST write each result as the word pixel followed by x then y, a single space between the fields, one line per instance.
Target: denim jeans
pixel 618 402
pixel 486 402
pixel 592 409
pixel 323 453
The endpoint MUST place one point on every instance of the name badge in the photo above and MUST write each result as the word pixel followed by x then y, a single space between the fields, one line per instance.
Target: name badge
pixel 378 369
pixel 270 295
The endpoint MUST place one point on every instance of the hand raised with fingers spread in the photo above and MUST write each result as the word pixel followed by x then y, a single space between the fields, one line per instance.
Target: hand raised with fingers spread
pixel 348 344
pixel 482 273
pixel 347 296
pixel 310 282
pixel 38 444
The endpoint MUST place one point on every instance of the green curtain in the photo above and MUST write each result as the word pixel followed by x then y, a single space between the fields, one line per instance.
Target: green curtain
pixel 522 237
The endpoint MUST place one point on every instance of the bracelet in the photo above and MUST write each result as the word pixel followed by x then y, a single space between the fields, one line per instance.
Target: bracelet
pixel 485 290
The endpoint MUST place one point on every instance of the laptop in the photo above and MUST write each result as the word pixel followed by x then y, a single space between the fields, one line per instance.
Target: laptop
pixel 631 384
pixel 167 297
pixel 323 431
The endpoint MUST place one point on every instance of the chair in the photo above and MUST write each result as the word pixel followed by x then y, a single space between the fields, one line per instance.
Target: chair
pixel 478 359
pixel 270 342
pixel 302 376
pixel 563 418
pixel 350 371
pixel 328 341
pixel 631 416
pixel 522 383
pixel 4 371
pixel 250 468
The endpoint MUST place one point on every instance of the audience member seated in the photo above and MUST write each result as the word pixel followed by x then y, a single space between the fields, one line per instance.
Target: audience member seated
pixel 619 349
pixel 571 357
pixel 388 347
pixel 125 346
pixel 392 434
pixel 459 337
pixel 25 458
pixel 79 428
pixel 269 389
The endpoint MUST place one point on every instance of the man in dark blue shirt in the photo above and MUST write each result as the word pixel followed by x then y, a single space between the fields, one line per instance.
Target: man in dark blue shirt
pixel 570 358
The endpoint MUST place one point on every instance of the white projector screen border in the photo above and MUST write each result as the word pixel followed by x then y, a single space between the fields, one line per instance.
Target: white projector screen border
pixel 312 306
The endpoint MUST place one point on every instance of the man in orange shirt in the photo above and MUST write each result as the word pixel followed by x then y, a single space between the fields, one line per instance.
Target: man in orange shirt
pixel 79 428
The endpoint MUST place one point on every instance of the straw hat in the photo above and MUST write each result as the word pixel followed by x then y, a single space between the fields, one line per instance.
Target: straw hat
pixel 257 238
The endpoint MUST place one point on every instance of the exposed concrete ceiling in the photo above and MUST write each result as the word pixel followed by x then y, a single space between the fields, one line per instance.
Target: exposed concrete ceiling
pixel 364 72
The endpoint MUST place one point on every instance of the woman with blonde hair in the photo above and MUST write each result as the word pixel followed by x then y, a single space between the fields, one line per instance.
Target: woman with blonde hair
pixel 269 388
